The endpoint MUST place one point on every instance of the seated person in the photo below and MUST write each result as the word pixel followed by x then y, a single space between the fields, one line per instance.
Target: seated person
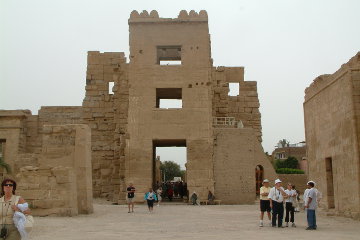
pixel 194 198
pixel 211 198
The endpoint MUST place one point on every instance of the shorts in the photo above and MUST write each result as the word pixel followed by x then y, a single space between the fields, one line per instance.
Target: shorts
pixel 130 200
pixel 150 203
pixel 265 206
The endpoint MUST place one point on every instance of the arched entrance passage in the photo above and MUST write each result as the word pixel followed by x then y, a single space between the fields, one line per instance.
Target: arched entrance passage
pixel 259 177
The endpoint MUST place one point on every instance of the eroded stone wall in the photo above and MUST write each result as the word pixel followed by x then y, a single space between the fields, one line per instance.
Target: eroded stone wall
pixel 332 134
pixel 105 111
pixel 245 106
pixel 237 152
pixel 62 184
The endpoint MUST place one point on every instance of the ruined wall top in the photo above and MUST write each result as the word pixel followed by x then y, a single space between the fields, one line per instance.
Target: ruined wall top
pixel 325 80
pixel 184 16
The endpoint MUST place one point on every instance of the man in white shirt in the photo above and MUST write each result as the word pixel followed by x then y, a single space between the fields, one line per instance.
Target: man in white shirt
pixel 291 198
pixel 311 205
pixel 276 197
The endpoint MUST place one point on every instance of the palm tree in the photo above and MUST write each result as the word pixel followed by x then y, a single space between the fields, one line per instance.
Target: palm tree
pixel 4 165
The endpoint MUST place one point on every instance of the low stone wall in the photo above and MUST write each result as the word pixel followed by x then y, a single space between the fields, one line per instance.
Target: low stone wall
pixel 61 183
pixel 49 191
pixel 299 180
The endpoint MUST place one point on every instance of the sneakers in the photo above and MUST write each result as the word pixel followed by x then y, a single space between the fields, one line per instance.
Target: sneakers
pixel 293 225
pixel 261 224
pixel 287 224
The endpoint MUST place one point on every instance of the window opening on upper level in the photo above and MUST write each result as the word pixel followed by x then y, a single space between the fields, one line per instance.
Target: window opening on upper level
pixel 168 55
pixel 111 85
pixel 234 89
pixel 168 98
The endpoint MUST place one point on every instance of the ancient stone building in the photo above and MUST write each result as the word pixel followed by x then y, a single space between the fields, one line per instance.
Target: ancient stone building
pixel 222 133
pixel 332 127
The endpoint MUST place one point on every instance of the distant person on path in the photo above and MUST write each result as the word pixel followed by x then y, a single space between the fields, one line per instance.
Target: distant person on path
pixel 170 192
pixel 158 193
pixel 211 198
pixel 276 197
pixel 264 202
pixel 150 197
pixel 311 205
pixel 130 196
pixel 289 205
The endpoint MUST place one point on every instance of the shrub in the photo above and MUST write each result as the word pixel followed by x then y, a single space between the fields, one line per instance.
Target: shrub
pixel 289 171
pixel 290 162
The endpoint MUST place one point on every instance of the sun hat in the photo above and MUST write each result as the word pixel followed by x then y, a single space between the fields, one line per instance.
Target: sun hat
pixel 277 181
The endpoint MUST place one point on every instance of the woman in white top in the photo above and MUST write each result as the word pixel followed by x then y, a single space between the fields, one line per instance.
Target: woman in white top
pixel 8 203
pixel 291 198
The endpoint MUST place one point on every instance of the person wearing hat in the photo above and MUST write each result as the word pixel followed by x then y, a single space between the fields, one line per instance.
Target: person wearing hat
pixel 276 196
pixel 264 202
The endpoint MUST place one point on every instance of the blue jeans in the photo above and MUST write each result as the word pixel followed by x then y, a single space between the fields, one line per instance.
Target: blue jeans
pixel 311 218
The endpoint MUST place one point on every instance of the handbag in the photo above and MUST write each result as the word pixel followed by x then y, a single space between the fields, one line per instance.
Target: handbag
pixel 29 223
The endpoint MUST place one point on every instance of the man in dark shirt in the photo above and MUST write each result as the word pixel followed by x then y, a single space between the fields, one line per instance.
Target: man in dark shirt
pixel 130 196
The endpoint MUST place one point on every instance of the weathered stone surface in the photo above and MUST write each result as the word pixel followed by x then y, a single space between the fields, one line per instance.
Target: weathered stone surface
pixel 126 122
pixel 332 130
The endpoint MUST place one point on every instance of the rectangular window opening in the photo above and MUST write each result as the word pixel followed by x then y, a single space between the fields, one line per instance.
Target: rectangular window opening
pixel 111 85
pixel 167 98
pixel 234 89
pixel 168 55
pixel 168 63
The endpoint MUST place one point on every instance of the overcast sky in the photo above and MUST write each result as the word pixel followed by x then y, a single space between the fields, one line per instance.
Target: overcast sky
pixel 283 45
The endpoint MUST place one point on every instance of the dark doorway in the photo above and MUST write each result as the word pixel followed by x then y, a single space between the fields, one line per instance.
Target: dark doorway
pixel 171 153
pixel 329 182
pixel 259 177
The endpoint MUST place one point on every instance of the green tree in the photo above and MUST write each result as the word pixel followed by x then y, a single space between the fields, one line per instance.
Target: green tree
pixel 171 169
pixel 4 165
pixel 290 162
pixel 284 143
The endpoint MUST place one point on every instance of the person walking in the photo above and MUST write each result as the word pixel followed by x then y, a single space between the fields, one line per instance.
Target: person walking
pixel 150 197
pixel 158 193
pixel 130 197
pixel 289 205
pixel 311 205
pixel 264 202
pixel 276 197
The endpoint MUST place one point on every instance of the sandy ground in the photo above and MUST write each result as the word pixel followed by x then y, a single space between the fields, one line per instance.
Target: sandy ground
pixel 171 221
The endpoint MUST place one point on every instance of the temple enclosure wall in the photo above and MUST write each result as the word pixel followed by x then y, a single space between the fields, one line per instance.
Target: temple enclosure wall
pixel 332 127
pixel 67 155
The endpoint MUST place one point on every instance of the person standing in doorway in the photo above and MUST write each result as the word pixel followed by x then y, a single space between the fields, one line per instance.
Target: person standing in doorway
pixel 150 197
pixel 276 197
pixel 311 205
pixel 264 202
pixel 291 198
pixel 130 196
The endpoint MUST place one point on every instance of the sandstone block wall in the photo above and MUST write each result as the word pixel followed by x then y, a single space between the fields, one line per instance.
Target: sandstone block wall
pixel 245 106
pixel 237 152
pixel 62 185
pixel 299 180
pixel 105 112
pixel 332 133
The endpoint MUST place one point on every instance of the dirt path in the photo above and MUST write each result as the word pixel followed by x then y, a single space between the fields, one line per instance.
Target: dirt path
pixel 185 222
